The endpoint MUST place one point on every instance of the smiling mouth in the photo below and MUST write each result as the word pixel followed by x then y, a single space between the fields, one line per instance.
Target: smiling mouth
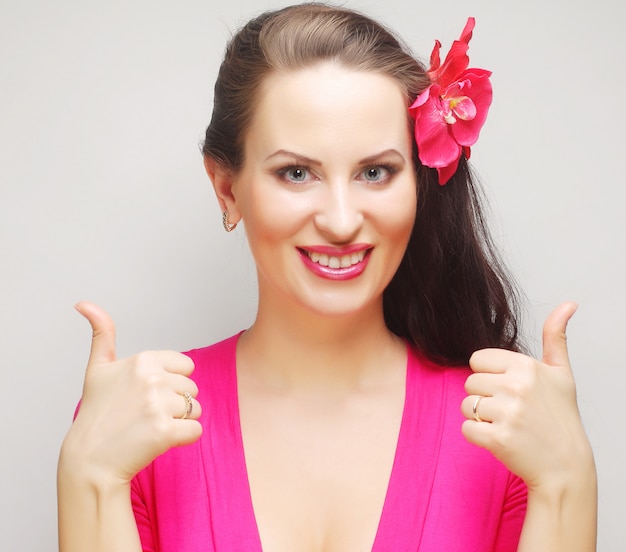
pixel 331 261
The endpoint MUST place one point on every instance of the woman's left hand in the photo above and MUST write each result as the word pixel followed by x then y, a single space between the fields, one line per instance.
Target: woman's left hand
pixel 524 410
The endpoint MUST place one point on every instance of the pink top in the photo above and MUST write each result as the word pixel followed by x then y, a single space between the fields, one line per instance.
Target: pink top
pixel 444 494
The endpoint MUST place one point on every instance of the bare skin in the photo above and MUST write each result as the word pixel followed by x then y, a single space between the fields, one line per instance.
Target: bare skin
pixel 320 426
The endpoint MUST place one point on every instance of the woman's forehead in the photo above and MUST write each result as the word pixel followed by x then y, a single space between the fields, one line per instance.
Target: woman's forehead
pixel 327 106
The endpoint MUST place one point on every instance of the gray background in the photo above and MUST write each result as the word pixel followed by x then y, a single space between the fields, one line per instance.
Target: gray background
pixel 103 197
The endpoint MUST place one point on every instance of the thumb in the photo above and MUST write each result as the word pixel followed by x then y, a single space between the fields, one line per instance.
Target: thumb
pixel 554 336
pixel 103 332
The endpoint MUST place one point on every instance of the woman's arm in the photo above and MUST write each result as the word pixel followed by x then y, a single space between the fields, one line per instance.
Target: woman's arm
pixel 130 413
pixel 93 515
pixel 562 517
pixel 525 412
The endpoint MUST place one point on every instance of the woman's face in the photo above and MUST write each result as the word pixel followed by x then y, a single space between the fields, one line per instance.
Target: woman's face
pixel 327 190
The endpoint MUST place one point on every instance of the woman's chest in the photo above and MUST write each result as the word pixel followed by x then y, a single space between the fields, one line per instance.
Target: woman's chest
pixel 319 470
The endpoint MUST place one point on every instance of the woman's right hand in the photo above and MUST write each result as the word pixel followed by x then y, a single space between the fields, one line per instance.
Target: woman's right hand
pixel 131 409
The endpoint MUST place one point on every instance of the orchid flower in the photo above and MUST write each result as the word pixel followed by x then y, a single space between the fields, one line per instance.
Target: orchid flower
pixel 451 111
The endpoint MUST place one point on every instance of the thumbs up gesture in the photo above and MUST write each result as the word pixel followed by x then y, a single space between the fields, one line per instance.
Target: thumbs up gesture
pixel 524 410
pixel 133 409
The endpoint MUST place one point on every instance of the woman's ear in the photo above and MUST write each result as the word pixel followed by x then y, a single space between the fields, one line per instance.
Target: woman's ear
pixel 222 180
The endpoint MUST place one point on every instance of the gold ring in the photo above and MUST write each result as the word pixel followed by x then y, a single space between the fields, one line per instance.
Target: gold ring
pixel 475 409
pixel 188 406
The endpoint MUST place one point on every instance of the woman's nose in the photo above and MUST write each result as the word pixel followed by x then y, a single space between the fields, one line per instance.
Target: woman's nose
pixel 339 216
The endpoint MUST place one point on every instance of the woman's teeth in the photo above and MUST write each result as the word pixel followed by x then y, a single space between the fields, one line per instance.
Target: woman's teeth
pixel 330 261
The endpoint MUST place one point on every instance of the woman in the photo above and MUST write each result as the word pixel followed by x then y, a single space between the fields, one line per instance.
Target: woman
pixel 346 417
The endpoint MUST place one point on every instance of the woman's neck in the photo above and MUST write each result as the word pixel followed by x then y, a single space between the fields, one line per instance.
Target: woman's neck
pixel 294 348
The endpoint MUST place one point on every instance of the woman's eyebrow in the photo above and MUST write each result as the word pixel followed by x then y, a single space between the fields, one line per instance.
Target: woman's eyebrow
pixel 378 156
pixel 299 158
pixel 310 161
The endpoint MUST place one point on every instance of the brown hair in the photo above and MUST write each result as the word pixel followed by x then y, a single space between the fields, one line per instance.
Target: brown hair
pixel 450 295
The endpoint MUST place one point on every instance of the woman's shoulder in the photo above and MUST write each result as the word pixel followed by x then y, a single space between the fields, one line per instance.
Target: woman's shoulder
pixel 215 363
pixel 429 374
pixel 218 353
pixel 223 349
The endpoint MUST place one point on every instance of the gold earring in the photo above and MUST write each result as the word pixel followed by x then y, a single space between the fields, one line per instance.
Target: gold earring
pixel 227 225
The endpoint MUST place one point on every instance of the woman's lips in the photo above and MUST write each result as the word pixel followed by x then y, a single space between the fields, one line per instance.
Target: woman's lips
pixel 335 263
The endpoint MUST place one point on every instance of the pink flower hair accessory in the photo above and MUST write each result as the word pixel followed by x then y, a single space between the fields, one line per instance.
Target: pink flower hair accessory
pixel 449 114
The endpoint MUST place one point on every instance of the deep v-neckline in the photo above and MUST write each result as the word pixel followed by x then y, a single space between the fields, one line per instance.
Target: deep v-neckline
pixel 411 479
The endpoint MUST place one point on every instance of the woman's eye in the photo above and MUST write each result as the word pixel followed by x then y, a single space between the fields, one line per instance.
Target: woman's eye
pixel 295 174
pixel 376 174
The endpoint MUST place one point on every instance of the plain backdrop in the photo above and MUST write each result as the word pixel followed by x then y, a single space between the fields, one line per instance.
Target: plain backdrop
pixel 103 197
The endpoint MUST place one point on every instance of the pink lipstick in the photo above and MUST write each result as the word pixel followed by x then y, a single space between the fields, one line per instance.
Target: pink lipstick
pixel 336 263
